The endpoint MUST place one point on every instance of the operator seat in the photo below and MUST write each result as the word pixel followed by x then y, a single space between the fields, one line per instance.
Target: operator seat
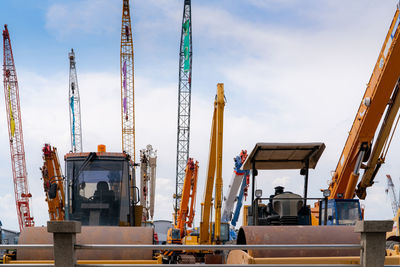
pixel 288 207
pixel 105 196
pixel 103 193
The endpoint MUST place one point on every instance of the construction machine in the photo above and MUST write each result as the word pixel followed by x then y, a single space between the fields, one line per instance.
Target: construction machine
pixel 373 127
pixel 186 211
pixel 287 208
pixel 217 231
pixel 369 138
pixel 285 217
pixel 148 164
pixel 53 183
pixel 182 232
pixel 209 232
pixel 98 193
pixel 237 190
pixel 283 207
pixel 366 148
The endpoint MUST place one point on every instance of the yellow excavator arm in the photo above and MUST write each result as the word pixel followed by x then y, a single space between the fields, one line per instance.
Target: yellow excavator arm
pixel 214 170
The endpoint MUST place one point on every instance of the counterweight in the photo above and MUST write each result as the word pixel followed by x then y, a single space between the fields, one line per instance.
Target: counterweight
pixel 13 111
pixel 127 84
pixel 184 101
pixel 74 106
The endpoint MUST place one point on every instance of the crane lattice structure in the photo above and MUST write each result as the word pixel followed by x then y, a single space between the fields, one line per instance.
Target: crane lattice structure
pixel 74 106
pixel 127 83
pixel 184 101
pixel 390 190
pixel 22 195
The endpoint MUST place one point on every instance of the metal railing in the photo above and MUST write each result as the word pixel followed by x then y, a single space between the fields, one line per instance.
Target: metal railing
pixel 65 252
pixel 219 247
pixel 185 247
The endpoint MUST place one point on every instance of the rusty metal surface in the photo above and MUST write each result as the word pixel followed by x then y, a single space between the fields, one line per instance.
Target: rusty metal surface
pixel 251 235
pixel 91 235
pixel 214 259
pixel 187 259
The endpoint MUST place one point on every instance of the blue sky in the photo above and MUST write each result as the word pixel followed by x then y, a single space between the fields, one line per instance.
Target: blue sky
pixel 294 71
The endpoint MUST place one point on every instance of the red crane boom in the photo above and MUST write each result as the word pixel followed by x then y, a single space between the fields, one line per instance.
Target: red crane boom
pixel 22 195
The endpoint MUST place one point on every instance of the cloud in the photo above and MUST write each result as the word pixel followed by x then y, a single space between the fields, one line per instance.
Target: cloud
pixel 281 181
pixel 84 17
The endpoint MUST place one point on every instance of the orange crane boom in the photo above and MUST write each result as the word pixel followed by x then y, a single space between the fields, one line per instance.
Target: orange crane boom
pixel 53 183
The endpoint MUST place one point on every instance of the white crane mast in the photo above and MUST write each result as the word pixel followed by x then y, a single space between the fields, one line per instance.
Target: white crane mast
pixel 229 202
pixel 74 106
pixel 148 164
pixel 233 190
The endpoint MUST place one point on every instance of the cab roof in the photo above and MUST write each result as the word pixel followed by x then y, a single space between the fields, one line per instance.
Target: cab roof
pixel 282 156
pixel 98 154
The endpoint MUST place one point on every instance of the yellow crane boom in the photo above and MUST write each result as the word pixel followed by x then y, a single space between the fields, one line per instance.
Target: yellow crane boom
pixel 127 83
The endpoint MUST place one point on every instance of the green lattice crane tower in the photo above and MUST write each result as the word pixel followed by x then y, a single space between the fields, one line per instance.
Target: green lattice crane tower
pixel 184 101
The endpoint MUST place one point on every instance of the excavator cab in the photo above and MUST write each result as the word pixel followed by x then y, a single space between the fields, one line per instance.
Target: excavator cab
pixel 224 232
pixel 100 188
pixel 174 236
pixel 340 212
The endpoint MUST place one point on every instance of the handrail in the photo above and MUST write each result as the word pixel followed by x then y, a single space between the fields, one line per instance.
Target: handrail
pixel 218 247
pixel 191 247
pixel 14 246
pixel 219 265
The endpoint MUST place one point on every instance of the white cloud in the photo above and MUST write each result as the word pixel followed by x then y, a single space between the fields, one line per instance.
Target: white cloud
pixel 281 181
pixel 93 17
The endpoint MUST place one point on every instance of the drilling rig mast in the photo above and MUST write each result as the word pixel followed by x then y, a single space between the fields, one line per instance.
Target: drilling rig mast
pixel 127 84
pixel 74 106
pixel 392 194
pixel 184 100
pixel 22 195
pixel 148 164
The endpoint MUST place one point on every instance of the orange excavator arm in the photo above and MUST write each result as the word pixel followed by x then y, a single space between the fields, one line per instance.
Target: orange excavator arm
pixel 192 206
pixel 380 95
pixel 53 183
pixel 186 212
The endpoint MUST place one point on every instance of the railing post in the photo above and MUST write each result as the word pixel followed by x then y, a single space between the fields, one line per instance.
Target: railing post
pixel 373 241
pixel 64 238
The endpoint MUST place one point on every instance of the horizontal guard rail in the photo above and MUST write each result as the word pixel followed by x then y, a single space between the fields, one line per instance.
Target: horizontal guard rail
pixel 219 247
pixel 219 265
pixel 26 246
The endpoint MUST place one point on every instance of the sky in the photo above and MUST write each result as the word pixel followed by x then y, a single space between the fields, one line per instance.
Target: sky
pixel 294 71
